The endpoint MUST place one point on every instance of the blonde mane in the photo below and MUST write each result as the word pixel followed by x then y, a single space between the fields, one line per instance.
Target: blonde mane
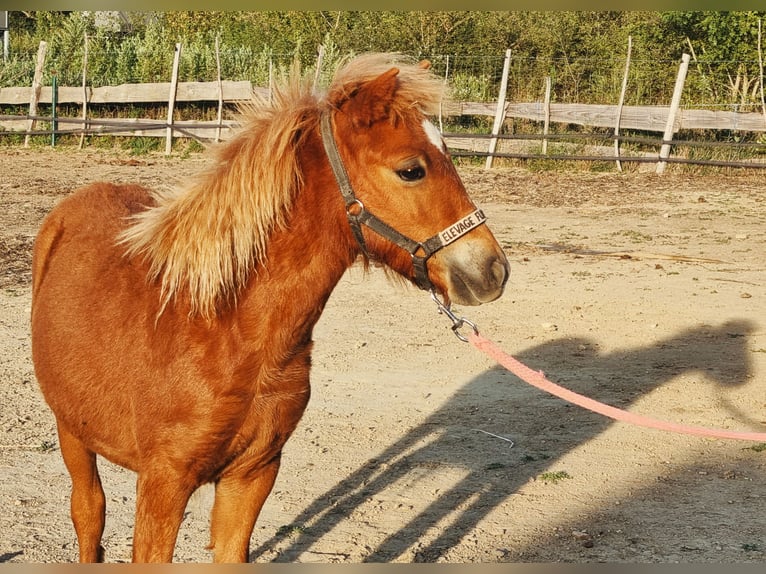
pixel 208 236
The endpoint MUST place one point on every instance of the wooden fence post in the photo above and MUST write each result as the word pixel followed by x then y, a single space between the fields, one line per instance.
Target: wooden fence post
pixel 670 126
pixel 620 105
pixel 500 112
pixel 546 114
pixel 172 99
pixel 84 93
pixel 219 116
pixel 271 79
pixel 320 60
pixel 760 67
pixel 54 107
pixel 36 86
pixel 441 102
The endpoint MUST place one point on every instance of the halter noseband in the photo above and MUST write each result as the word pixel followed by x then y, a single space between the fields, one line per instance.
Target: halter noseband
pixel 358 215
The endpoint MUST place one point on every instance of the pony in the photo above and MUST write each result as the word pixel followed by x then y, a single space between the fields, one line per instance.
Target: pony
pixel 172 329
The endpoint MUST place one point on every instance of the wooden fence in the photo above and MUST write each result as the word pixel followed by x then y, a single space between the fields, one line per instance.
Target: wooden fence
pixel 665 120
pixel 228 92
pixel 640 118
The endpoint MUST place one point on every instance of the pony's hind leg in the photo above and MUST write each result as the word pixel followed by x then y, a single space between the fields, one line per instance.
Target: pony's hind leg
pixel 88 504
pixel 238 502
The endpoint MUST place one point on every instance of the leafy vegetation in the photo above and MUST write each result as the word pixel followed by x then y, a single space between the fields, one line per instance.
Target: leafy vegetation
pixel 582 52
pixel 554 477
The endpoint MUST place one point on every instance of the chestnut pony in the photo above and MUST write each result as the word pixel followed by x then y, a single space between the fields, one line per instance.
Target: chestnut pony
pixel 172 330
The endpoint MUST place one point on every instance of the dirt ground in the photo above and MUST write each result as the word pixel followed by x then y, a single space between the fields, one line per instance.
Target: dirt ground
pixel 646 292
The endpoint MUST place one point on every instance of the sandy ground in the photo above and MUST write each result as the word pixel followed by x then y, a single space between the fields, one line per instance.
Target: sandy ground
pixel 645 292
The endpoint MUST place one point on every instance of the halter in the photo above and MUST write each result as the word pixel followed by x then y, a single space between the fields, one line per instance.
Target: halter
pixel 358 215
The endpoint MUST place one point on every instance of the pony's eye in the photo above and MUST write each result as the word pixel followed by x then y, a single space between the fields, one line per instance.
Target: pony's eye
pixel 413 173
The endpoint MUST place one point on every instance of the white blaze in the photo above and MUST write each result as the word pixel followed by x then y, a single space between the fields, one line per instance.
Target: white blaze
pixel 434 136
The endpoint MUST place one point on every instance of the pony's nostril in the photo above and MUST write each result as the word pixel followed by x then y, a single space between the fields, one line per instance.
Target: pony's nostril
pixel 499 271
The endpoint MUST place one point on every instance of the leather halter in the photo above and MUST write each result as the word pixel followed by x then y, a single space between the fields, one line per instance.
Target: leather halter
pixel 358 215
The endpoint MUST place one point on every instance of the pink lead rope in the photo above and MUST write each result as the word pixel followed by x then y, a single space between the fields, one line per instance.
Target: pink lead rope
pixel 538 379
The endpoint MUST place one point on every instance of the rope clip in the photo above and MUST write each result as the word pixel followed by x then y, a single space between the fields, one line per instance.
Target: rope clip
pixel 457 322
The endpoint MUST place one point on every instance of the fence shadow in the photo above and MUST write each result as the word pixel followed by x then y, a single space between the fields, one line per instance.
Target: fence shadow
pixel 719 352
pixel 8 556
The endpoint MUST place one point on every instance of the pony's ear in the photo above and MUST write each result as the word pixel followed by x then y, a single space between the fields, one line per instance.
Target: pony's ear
pixel 372 101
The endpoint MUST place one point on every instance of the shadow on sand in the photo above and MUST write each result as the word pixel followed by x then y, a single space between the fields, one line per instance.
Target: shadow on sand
pixel 720 353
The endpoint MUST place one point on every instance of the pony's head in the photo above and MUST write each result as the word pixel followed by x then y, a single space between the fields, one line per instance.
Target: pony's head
pixel 406 203
pixel 204 238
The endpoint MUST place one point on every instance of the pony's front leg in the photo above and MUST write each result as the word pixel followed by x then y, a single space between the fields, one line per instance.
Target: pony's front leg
pixel 239 498
pixel 161 499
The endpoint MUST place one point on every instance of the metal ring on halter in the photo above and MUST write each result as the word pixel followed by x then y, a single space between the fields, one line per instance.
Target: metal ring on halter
pixel 350 204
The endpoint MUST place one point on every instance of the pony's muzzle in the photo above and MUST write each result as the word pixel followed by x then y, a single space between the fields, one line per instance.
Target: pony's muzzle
pixel 473 273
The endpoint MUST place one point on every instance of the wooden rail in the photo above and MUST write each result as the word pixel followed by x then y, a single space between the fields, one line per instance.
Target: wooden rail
pixel 135 93
pixel 642 118
pixel 646 118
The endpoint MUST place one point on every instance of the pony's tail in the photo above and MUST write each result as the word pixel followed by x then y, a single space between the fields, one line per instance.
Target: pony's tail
pixel 47 238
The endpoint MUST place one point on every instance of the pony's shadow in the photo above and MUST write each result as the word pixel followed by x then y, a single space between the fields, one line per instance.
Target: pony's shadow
pixel 718 352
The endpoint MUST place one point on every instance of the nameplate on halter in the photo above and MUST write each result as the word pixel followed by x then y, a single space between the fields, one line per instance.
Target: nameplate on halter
pixel 457 230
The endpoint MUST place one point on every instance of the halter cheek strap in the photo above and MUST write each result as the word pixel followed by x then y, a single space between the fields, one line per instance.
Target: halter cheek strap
pixel 358 215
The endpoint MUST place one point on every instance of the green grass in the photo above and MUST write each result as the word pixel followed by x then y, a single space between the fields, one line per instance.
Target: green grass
pixel 554 477
pixel 142 145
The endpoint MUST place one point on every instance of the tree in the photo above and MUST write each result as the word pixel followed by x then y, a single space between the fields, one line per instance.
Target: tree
pixel 725 50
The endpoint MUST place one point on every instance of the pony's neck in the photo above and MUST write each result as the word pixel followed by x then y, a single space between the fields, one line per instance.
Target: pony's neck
pixel 307 257
pixel 204 240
